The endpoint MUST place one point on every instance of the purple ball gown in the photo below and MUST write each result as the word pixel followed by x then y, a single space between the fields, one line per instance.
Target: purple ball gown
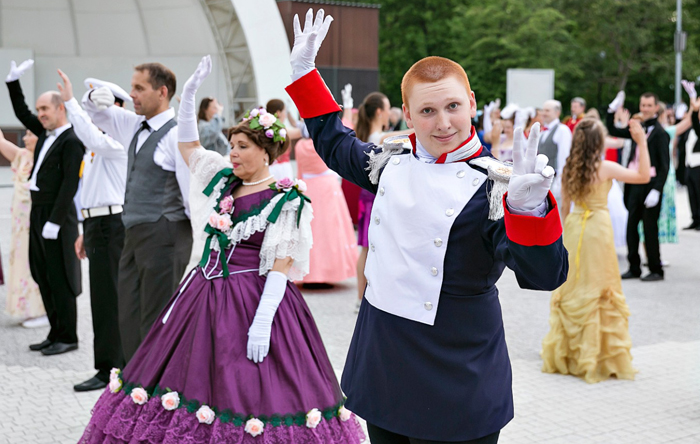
pixel 200 353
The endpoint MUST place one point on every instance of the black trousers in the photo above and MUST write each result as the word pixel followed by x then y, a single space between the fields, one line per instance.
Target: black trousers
pixel 381 436
pixel 692 180
pixel 49 269
pixel 103 239
pixel 152 263
pixel 650 222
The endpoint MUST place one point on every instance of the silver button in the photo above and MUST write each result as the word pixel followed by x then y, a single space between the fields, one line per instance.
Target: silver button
pixel 475 182
pixel 395 160
pixel 449 212
pixel 461 173
pixel 376 220
pixel 428 306
pixel 372 247
pixel 381 191
pixel 434 271
pixel 438 242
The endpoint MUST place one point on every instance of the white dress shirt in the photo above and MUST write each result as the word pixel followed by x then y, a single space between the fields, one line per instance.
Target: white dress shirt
pixel 122 124
pixel 42 154
pixel 105 161
pixel 562 138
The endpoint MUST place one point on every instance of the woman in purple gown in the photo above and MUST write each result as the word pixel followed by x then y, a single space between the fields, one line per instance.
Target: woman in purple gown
pixel 235 357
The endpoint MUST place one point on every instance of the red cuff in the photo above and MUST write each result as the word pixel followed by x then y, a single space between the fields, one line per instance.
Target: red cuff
pixel 311 96
pixel 532 231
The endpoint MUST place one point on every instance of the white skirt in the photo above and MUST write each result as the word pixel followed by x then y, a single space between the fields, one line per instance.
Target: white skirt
pixel 618 214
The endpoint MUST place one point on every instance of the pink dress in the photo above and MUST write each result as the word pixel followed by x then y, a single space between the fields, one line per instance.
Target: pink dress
pixel 334 253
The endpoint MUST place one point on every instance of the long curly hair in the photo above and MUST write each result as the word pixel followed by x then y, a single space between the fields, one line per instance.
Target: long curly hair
pixel 586 154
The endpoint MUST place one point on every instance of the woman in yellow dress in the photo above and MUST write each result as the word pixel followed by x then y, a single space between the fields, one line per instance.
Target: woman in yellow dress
pixel 23 297
pixel 589 333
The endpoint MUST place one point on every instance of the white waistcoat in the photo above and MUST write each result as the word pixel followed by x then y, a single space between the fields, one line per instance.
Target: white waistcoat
pixel 412 216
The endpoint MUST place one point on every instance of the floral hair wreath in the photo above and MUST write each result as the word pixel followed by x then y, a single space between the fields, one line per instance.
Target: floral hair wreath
pixel 259 118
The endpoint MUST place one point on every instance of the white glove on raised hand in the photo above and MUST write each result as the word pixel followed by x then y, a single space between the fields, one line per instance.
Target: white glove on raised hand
pixel 523 115
pixel 617 102
pixel 652 199
pixel 187 114
pixel 17 71
pixel 102 97
pixel 689 87
pixel 681 109
pixel 532 177
pixel 260 329
pixel 50 230
pixel 308 42
pixel 346 92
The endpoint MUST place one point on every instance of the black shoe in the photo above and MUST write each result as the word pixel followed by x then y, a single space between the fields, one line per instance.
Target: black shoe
pixel 59 347
pixel 93 383
pixel 40 346
pixel 692 226
pixel 630 275
pixel 653 277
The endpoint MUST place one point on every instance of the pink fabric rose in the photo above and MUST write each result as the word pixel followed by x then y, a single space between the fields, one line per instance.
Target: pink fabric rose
pixel 213 219
pixel 313 418
pixel 283 133
pixel 267 119
pixel 139 396
pixel 205 415
pixel 114 374
pixel 301 185
pixel 170 401
pixel 254 112
pixel 254 427
pixel 270 134
pixel 344 414
pixel 226 205
pixel 115 385
pixel 224 222
pixel 285 184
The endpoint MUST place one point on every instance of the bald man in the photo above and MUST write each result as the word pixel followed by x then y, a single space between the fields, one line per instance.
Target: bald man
pixel 53 221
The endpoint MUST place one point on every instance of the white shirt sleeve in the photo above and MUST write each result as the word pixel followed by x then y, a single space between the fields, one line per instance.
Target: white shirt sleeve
pixel 563 140
pixel 94 139
pixel 119 123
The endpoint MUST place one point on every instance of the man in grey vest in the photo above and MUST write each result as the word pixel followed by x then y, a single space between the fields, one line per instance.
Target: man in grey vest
pixel 555 142
pixel 158 234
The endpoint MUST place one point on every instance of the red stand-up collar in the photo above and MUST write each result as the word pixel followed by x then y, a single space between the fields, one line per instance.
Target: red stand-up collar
pixel 443 157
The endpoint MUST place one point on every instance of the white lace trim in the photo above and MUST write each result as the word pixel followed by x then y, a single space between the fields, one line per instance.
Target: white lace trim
pixel 282 239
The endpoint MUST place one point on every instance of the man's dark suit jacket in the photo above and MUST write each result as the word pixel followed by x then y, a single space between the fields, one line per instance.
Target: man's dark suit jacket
pixel 57 181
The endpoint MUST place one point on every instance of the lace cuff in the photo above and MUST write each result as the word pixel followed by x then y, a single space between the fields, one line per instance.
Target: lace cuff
pixel 285 239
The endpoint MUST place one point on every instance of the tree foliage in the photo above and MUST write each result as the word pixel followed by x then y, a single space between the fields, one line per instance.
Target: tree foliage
pixel 596 47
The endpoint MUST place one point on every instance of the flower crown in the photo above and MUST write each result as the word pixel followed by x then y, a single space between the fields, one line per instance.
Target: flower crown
pixel 259 118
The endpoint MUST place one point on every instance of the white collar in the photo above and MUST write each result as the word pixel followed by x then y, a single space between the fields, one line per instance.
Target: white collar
pixel 422 154
pixel 157 121
pixel 552 124
pixel 58 131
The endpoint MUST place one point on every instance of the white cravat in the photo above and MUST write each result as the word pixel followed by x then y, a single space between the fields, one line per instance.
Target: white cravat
pixel 50 139
pixel 423 155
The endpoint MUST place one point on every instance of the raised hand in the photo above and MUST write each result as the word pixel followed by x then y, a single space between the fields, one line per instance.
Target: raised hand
pixel 102 97
pixel 66 89
pixel 689 87
pixel 17 71
pixel 187 119
pixel 617 102
pixel 346 93
pixel 197 78
pixel 532 177
pixel 307 42
pixel 636 131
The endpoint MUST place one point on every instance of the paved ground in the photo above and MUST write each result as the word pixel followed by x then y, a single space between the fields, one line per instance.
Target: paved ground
pixel 663 405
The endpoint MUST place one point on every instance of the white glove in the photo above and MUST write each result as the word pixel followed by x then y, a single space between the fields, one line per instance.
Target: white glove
pixel 487 114
pixel 617 102
pixel 347 96
pixel 532 177
pixel 187 114
pixel 652 199
pixel 260 329
pixel 681 109
pixel 308 42
pixel 509 111
pixel 102 97
pixel 17 71
pixel 689 87
pixel 50 230
pixel 523 115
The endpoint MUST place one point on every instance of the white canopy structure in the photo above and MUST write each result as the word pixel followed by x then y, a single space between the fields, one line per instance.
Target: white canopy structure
pixel 107 38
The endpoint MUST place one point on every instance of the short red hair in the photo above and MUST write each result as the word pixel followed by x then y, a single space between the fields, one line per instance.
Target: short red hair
pixel 430 70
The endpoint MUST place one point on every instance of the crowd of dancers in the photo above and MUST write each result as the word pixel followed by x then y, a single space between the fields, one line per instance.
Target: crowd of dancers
pixel 198 235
